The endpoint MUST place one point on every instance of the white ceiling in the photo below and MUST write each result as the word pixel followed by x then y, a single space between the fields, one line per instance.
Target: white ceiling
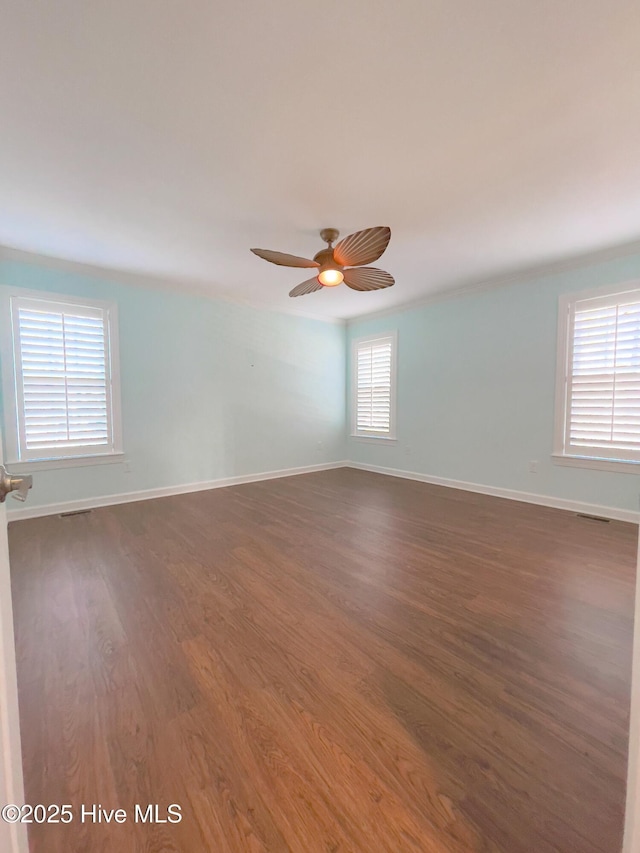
pixel 167 138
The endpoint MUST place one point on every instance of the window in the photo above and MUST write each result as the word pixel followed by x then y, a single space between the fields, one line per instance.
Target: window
pixel 62 375
pixel 373 387
pixel 598 389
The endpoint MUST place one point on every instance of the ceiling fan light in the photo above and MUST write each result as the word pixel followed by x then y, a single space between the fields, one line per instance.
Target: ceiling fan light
pixel 330 277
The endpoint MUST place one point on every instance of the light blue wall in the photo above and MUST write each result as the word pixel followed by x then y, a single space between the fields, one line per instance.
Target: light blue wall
pixel 476 387
pixel 210 389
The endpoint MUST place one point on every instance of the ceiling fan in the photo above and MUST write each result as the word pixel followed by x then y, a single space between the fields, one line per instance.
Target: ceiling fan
pixel 344 263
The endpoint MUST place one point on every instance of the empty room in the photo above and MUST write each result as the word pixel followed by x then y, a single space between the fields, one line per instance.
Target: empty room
pixel 320 426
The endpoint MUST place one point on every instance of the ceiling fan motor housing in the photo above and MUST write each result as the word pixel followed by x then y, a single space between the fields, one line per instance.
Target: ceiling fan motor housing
pixel 325 258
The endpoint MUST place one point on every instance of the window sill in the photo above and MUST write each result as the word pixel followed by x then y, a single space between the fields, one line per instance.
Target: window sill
pixel 618 465
pixel 65 462
pixel 373 439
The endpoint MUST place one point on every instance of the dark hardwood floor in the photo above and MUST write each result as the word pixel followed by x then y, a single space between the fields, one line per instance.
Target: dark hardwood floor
pixel 338 661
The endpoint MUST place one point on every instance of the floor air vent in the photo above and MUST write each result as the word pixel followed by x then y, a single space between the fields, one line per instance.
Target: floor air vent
pixel 74 512
pixel 593 517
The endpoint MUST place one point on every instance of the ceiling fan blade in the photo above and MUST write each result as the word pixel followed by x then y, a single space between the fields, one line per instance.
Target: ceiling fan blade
pixel 283 259
pixel 363 247
pixel 307 286
pixel 367 278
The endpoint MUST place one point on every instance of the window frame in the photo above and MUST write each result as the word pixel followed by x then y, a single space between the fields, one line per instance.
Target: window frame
pixel 566 316
pixel 113 451
pixel 370 436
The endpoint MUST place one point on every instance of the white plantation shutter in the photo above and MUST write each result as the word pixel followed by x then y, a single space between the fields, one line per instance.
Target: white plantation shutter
pixel 602 409
pixel 373 391
pixel 63 379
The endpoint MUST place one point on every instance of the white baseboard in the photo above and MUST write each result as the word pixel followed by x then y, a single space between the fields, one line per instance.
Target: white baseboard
pixel 185 488
pixel 166 491
pixel 511 494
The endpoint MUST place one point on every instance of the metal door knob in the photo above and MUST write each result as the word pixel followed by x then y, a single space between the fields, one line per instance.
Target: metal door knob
pixel 18 486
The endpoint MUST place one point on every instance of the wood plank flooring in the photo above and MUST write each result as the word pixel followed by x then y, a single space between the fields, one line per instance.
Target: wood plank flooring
pixel 338 661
